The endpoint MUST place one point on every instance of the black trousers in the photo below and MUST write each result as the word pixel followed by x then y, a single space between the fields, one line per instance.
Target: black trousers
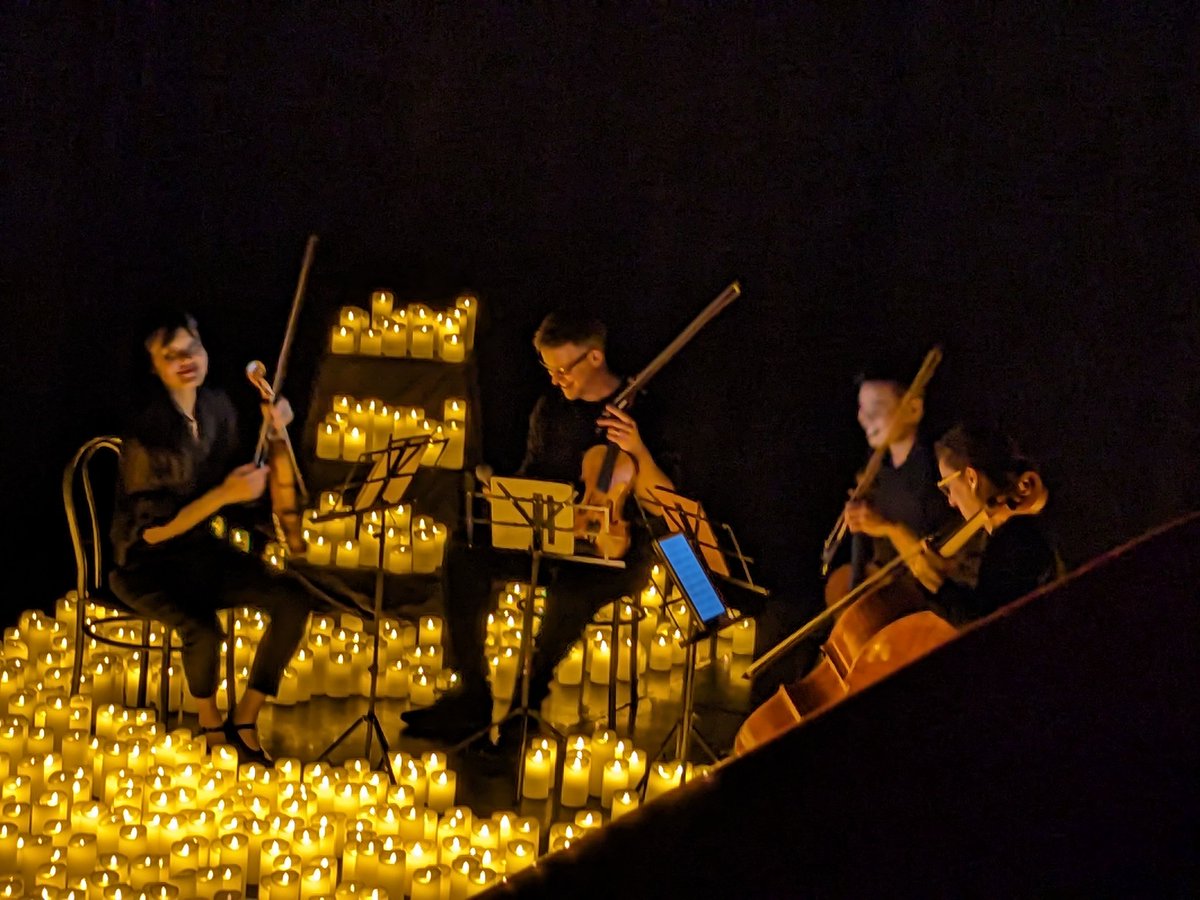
pixel 575 591
pixel 183 583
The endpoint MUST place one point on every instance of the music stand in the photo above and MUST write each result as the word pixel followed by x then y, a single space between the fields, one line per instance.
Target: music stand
pixel 688 519
pixel 389 478
pixel 543 525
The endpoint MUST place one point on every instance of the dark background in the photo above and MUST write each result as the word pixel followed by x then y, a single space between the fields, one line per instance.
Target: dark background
pixel 1019 185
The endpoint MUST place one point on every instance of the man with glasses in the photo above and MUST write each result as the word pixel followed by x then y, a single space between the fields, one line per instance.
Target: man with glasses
pixel 575 415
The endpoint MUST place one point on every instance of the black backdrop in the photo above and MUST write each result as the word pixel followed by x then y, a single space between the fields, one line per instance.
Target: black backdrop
pixel 1018 185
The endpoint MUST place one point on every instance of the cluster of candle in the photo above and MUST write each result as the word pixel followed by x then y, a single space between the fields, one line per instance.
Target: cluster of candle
pixel 505 630
pixel 354 427
pixel 336 536
pixel 416 331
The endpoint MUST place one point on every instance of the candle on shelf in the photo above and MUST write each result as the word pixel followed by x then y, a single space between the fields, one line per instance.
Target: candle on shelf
pixel 354 444
pixel 601 661
pixel 455 448
pixel 343 340
pixel 400 560
pixel 370 342
pixel 395 339
pixel 381 304
pixel 348 555
pixel 422 340
pixel 424 553
pixel 576 774
pixel 453 349
pixel 353 317
pixel 454 409
pixel 538 774
pixel 469 305
pixel 329 441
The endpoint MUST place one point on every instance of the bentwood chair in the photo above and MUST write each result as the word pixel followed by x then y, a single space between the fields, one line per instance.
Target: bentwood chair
pixel 90 543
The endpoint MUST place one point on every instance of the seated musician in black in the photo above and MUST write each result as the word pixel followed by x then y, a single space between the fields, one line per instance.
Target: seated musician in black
pixel 904 504
pixel 566 421
pixel 978 464
pixel 177 471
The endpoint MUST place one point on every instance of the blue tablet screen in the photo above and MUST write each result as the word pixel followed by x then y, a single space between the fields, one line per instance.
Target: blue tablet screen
pixel 691 577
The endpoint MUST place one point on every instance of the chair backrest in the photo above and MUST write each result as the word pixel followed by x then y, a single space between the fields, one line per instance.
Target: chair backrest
pixel 87 538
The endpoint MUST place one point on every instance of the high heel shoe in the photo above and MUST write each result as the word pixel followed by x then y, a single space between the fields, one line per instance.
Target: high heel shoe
pixel 246 753
pixel 215 736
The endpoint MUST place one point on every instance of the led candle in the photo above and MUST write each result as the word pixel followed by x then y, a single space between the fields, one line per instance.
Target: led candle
pixel 454 451
pixel 370 343
pixel 660 653
pixel 329 441
pixel 537 774
pixel 576 773
pixel 417 855
pixel 354 444
pixel 381 304
pixel 427 884
pixel 422 337
pixel 395 339
pixel 283 885
pixel 453 349
pixel 624 802
pixel 743 637
pixel 603 750
pixel 616 778
pixel 441 790
pixel 343 340
pixel 469 306
pixel 424 553
pixel 348 553
pixel 601 660
pixel 663 778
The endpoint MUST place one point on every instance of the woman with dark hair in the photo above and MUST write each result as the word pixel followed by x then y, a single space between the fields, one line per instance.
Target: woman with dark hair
pixel 984 473
pixel 177 471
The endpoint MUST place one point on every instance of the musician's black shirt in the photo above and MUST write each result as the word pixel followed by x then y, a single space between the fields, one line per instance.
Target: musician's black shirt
pixel 1017 559
pixel 164 467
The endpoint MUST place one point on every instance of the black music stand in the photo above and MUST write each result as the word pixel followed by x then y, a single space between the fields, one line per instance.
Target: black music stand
pixel 390 475
pixel 538 512
pixel 686 516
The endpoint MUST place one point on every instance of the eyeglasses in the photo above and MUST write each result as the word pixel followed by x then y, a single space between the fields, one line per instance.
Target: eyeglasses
pixel 944 484
pixel 563 370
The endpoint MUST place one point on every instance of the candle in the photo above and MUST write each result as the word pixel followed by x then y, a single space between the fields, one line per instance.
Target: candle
pixel 537 774
pixel 623 802
pixel 520 854
pixel 455 448
pixel 427 883
pixel 453 350
pixel 601 659
pixel 395 339
pixel 441 790
pixel 400 560
pixel 616 778
pixel 660 653
pixel 354 444
pixel 469 307
pixel 343 340
pixel 418 855
pixel 421 688
pixel 422 341
pixel 424 553
pixel 381 304
pixel 576 773
pixel 743 637
pixel 663 778
pixel 329 441
pixel 348 554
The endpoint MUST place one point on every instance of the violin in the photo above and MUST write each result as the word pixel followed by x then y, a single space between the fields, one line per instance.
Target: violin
pixel 608 472
pixel 866 478
pixel 286 482
pixel 274 448
pixel 884 625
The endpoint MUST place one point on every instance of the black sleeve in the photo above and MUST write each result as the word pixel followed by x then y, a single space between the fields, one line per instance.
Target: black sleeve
pixel 535 441
pixel 1016 561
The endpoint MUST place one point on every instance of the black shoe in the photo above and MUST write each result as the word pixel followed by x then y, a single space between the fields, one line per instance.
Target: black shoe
pixel 246 753
pixel 452 718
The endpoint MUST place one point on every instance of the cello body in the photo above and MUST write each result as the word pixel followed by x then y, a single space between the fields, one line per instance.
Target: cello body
pixel 876 635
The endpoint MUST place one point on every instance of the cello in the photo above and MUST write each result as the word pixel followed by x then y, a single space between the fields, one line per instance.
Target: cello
pixel 608 472
pixel 883 626
pixel 274 447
